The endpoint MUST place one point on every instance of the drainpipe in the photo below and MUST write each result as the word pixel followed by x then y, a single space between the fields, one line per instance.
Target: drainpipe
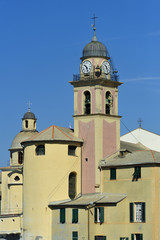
pixel 101 179
pixel 88 224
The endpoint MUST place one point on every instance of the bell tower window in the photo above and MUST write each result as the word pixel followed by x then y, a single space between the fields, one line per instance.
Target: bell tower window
pixel 108 102
pixel 26 123
pixel 20 157
pixel 87 102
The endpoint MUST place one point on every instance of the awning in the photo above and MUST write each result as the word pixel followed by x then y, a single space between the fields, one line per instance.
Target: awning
pixel 90 200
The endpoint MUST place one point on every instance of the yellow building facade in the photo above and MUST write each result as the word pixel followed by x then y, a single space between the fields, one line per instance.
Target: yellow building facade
pixel 81 184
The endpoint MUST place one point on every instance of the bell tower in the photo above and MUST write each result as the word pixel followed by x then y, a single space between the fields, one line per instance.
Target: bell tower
pixel 96 118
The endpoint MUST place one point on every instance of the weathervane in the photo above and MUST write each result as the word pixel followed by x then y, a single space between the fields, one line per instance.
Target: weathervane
pixel 29 106
pixel 139 121
pixel 94 24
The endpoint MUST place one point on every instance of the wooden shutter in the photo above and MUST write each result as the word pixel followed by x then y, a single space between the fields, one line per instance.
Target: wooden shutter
pixel 95 215
pixel 132 236
pixel 143 212
pixel 113 173
pixel 141 236
pixel 62 215
pixel 74 235
pixel 101 211
pixel 74 215
pixel 131 212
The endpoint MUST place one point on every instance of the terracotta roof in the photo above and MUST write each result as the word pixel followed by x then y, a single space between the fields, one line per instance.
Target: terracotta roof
pixel 54 133
pixel 91 199
pixel 134 158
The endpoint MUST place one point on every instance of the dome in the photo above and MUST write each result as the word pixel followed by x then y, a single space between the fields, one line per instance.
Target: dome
pixel 21 136
pixel 29 115
pixel 94 49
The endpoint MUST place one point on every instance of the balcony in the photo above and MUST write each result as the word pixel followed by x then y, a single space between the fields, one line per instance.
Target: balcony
pixel 81 77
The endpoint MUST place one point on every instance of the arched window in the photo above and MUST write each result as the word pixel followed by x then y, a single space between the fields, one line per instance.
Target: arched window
pixel 20 157
pixel 40 150
pixel 87 102
pixel 26 122
pixel 108 102
pixel 72 185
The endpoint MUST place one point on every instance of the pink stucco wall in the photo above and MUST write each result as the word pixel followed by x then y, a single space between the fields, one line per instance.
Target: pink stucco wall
pixel 87 133
pixel 109 138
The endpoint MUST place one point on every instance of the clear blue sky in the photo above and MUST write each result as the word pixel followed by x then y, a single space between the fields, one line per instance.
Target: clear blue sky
pixel 41 43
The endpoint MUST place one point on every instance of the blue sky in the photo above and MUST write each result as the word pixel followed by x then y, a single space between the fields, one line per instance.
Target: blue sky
pixel 41 43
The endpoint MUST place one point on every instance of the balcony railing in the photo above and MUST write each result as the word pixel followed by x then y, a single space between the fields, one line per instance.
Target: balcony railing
pixel 79 77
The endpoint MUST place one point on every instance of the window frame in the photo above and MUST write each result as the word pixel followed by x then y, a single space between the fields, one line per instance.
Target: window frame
pixel 62 219
pixel 75 215
pixel 72 150
pixel 133 235
pixel 96 237
pixel 133 212
pixel 137 173
pixel 113 174
pixel 38 150
pixel 86 102
pixel 20 157
pixel 76 235
pixel 99 215
pixel 72 191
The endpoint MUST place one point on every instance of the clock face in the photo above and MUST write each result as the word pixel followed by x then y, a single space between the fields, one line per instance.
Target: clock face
pixel 106 67
pixel 86 66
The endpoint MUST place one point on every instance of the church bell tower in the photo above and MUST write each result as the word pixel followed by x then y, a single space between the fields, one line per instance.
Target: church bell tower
pixel 96 118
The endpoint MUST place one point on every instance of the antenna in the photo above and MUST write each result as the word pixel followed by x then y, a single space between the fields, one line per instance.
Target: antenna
pixel 29 106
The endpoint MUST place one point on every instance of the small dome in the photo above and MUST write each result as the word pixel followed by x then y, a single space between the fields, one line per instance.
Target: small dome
pixel 29 115
pixel 94 49
pixel 21 136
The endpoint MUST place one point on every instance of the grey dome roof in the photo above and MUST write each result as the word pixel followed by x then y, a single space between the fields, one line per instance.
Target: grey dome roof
pixel 29 115
pixel 21 136
pixel 94 49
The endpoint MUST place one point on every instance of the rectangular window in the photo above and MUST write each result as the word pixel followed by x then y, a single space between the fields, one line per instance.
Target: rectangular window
pixel 138 236
pixel 137 212
pixel 100 238
pixel 74 235
pixel 62 215
pixel 74 215
pixel 137 173
pixel 99 215
pixel 112 173
pixel 72 150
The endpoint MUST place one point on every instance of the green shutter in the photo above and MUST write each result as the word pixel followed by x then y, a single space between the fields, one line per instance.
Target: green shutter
pixel 143 212
pixel 104 238
pixel 132 236
pixel 112 173
pixel 74 215
pixel 101 210
pixel 62 215
pixel 127 238
pixel 131 212
pixel 95 215
pixel 141 237
pixel 74 235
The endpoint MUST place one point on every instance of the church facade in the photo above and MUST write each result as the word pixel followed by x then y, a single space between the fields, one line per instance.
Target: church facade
pixel 85 183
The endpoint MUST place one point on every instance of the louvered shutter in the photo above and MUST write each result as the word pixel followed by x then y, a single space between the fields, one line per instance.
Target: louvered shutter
pixel 131 212
pixel 143 212
pixel 101 209
pixel 95 215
